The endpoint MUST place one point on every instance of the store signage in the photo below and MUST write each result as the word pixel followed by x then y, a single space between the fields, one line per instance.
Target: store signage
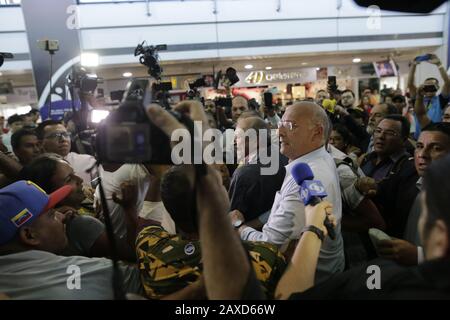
pixel 267 77
pixel 258 77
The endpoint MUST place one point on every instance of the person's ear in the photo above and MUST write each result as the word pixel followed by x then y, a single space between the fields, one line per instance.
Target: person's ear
pixel 438 240
pixel 28 236
pixel 319 132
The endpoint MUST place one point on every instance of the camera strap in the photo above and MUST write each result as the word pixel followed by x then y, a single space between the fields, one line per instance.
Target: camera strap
pixel 117 277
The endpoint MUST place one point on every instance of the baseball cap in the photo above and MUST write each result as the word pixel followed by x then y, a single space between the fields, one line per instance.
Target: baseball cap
pixel 22 202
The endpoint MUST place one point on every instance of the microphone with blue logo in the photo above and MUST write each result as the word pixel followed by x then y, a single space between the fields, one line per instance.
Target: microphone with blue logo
pixel 311 191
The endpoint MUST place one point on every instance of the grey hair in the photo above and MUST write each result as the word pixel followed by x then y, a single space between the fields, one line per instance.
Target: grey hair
pixel 319 116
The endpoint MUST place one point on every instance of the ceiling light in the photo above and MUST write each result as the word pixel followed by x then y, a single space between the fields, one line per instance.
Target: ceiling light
pixel 89 59
pixel 304 63
pixel 268 68
pixel 356 60
pixel 248 66
pixel 127 74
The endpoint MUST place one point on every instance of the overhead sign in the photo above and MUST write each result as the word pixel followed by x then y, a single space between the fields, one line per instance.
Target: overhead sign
pixel 268 77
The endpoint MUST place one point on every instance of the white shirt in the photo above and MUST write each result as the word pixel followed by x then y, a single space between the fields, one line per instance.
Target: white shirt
pixel 287 217
pixel 347 178
pixel 273 121
pixel 6 138
pixel 41 275
pixel 156 211
pixel 80 164
pixel 111 182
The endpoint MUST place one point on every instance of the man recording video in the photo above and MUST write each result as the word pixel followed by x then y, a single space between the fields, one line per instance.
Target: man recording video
pixel 429 105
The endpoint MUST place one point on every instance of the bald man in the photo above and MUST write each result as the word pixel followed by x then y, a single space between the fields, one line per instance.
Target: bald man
pixel 302 136
pixel 252 190
pixel 239 104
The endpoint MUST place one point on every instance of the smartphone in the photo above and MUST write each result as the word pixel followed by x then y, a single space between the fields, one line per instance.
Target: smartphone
pixel 430 88
pixel 424 57
pixel 332 83
pixel 268 99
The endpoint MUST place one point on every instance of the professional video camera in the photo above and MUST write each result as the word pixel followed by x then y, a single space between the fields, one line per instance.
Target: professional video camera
pixel 193 92
pixel 149 58
pixel 5 55
pixel 228 79
pixel 127 135
pixel 81 79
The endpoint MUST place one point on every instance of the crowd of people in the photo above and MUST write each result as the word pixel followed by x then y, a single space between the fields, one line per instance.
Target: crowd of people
pixel 234 233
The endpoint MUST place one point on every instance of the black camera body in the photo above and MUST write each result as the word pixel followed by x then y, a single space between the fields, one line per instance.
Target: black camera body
pixel 430 88
pixel 128 136
pixel 149 58
pixel 332 85
pixel 229 78
pixel 80 78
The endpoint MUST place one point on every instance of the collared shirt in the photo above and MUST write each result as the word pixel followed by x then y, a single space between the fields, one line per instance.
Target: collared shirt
pixel 347 178
pixel 381 170
pixel 273 121
pixel 252 158
pixel 287 217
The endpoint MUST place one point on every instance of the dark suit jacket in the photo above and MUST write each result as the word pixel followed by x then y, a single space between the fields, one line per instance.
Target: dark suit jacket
pixel 252 193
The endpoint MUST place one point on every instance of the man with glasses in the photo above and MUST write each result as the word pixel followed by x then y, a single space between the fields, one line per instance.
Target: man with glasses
pixel 55 138
pixel 393 170
pixel 433 144
pixel 378 113
pixel 302 132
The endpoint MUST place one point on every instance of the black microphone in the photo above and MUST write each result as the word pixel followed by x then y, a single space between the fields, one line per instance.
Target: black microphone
pixel 311 191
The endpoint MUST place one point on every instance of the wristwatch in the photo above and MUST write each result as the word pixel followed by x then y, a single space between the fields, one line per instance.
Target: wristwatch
pixel 315 230
pixel 237 224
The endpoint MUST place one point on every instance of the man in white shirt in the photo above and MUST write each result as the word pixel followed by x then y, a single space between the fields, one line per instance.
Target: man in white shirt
pixel 302 135
pixel 55 138
pixel 15 123
pixel 112 176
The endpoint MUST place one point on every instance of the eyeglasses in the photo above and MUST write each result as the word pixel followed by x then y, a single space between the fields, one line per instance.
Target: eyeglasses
pixel 389 133
pixel 58 135
pixel 290 125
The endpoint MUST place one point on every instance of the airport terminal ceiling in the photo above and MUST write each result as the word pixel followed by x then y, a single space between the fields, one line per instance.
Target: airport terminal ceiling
pixel 204 66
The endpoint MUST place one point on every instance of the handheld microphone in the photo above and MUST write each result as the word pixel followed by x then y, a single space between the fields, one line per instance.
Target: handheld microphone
pixel 311 191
